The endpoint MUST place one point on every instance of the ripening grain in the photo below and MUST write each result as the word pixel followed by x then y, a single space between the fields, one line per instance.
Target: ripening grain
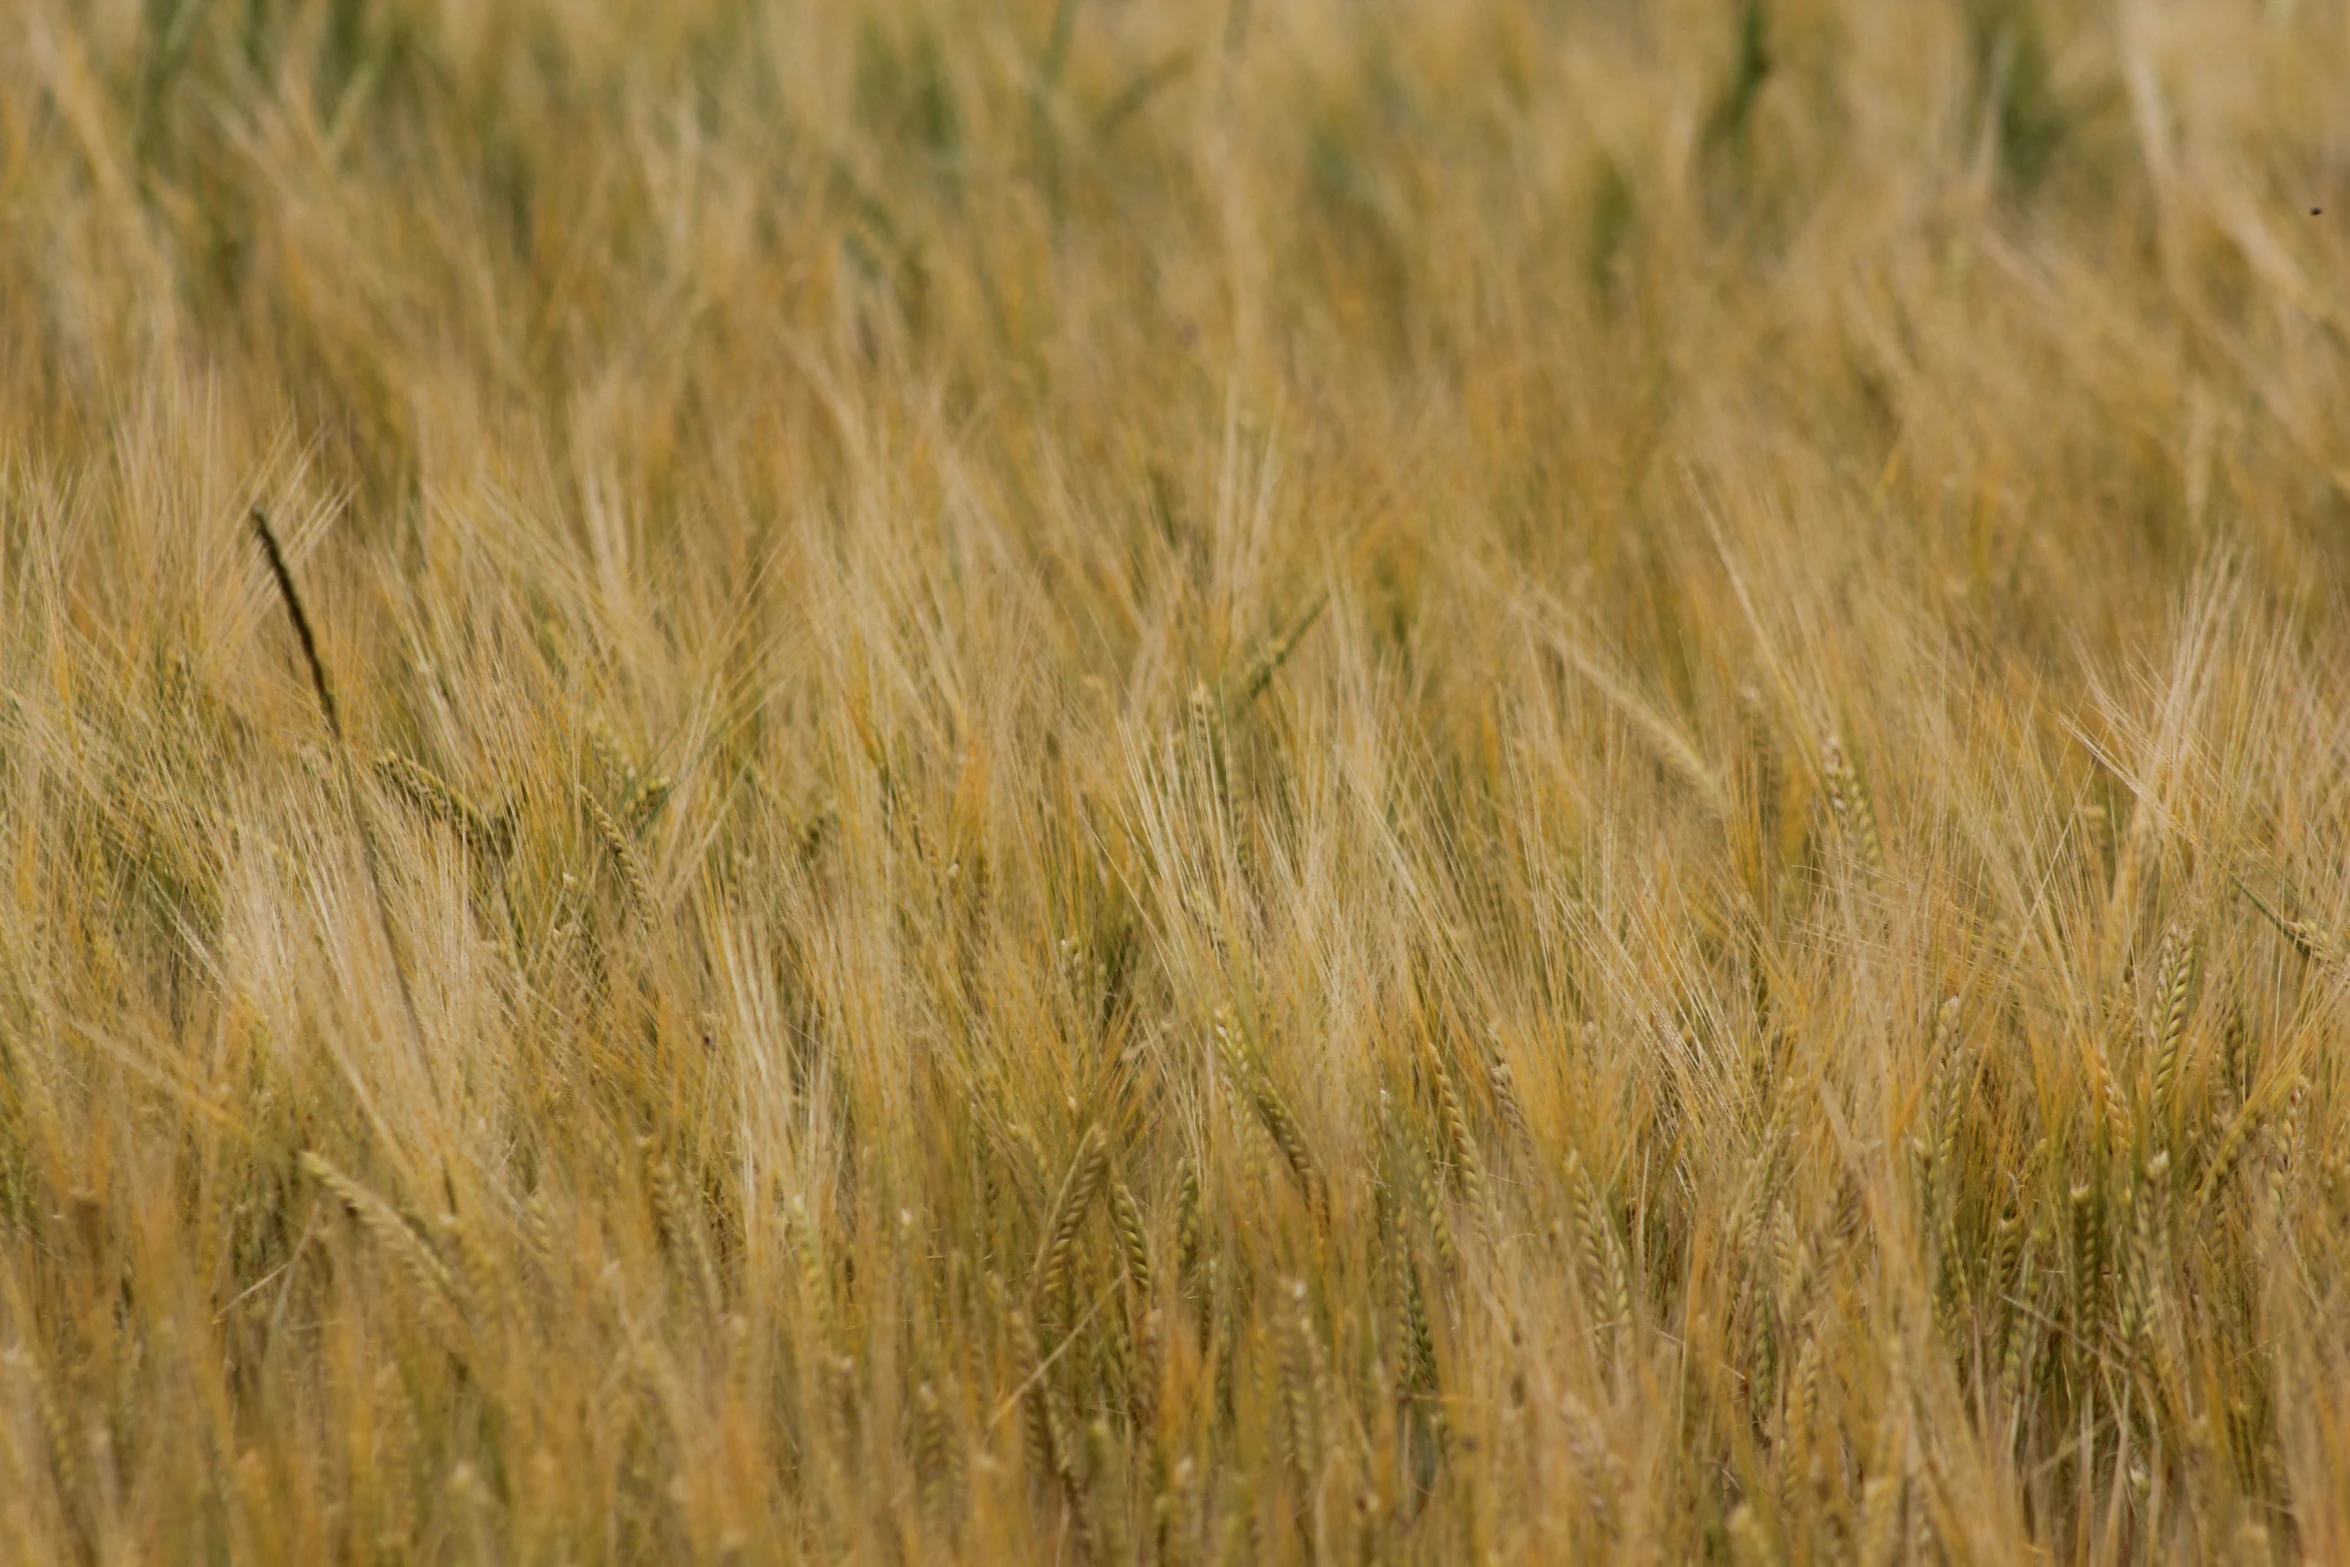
pixel 1121 781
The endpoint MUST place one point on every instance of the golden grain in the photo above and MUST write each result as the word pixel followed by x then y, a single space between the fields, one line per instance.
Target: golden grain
pixel 1211 777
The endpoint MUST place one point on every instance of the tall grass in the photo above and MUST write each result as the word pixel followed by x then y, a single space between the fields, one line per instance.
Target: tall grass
pixel 1171 783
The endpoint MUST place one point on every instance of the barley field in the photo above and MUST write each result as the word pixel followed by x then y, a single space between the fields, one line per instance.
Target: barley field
pixel 1174 781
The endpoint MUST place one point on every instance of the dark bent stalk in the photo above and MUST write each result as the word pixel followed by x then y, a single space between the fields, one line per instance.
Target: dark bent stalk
pixel 301 619
pixel 334 725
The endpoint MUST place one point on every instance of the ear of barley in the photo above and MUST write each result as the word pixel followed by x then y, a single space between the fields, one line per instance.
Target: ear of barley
pixel 1207 737
pixel 1187 1222
pixel 1585 1198
pixel 645 802
pixel 1948 1182
pixel 55 1421
pixel 677 1215
pixel 2306 937
pixel 624 856
pixel 1434 1204
pixel 1043 1441
pixel 1067 1217
pixel 1107 1499
pixel 1273 1113
pixel 1803 1402
pixel 538 1234
pixel 2285 1137
pixel 1758 1203
pixel 1070 1449
pixel 481 1274
pixel 1880 1520
pixel 1596 1465
pixel 2007 1235
pixel 436 1288
pixel 938 1455
pixel 2154 1259
pixel 1750 1539
pixel 430 796
pixel 1788 1260
pixel 1176 1515
pixel 2233 1052
pixel 2238 1137
pixel 1275 653
pixel 2115 1120
pixel 1149 1372
pixel 1619 1281
pixel 815 1271
pixel 1664 737
pixel 1132 1239
pixel 1419 1379
pixel 1946 1021
pixel 2023 1324
pixel 2174 992
pixel 1761 762
pixel 1459 1143
pixel 1604 1260
pixel 2088 1252
pixel 1850 802
pixel 1505 1094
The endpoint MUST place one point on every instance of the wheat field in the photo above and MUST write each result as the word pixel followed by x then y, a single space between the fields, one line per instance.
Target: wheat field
pixel 1130 781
